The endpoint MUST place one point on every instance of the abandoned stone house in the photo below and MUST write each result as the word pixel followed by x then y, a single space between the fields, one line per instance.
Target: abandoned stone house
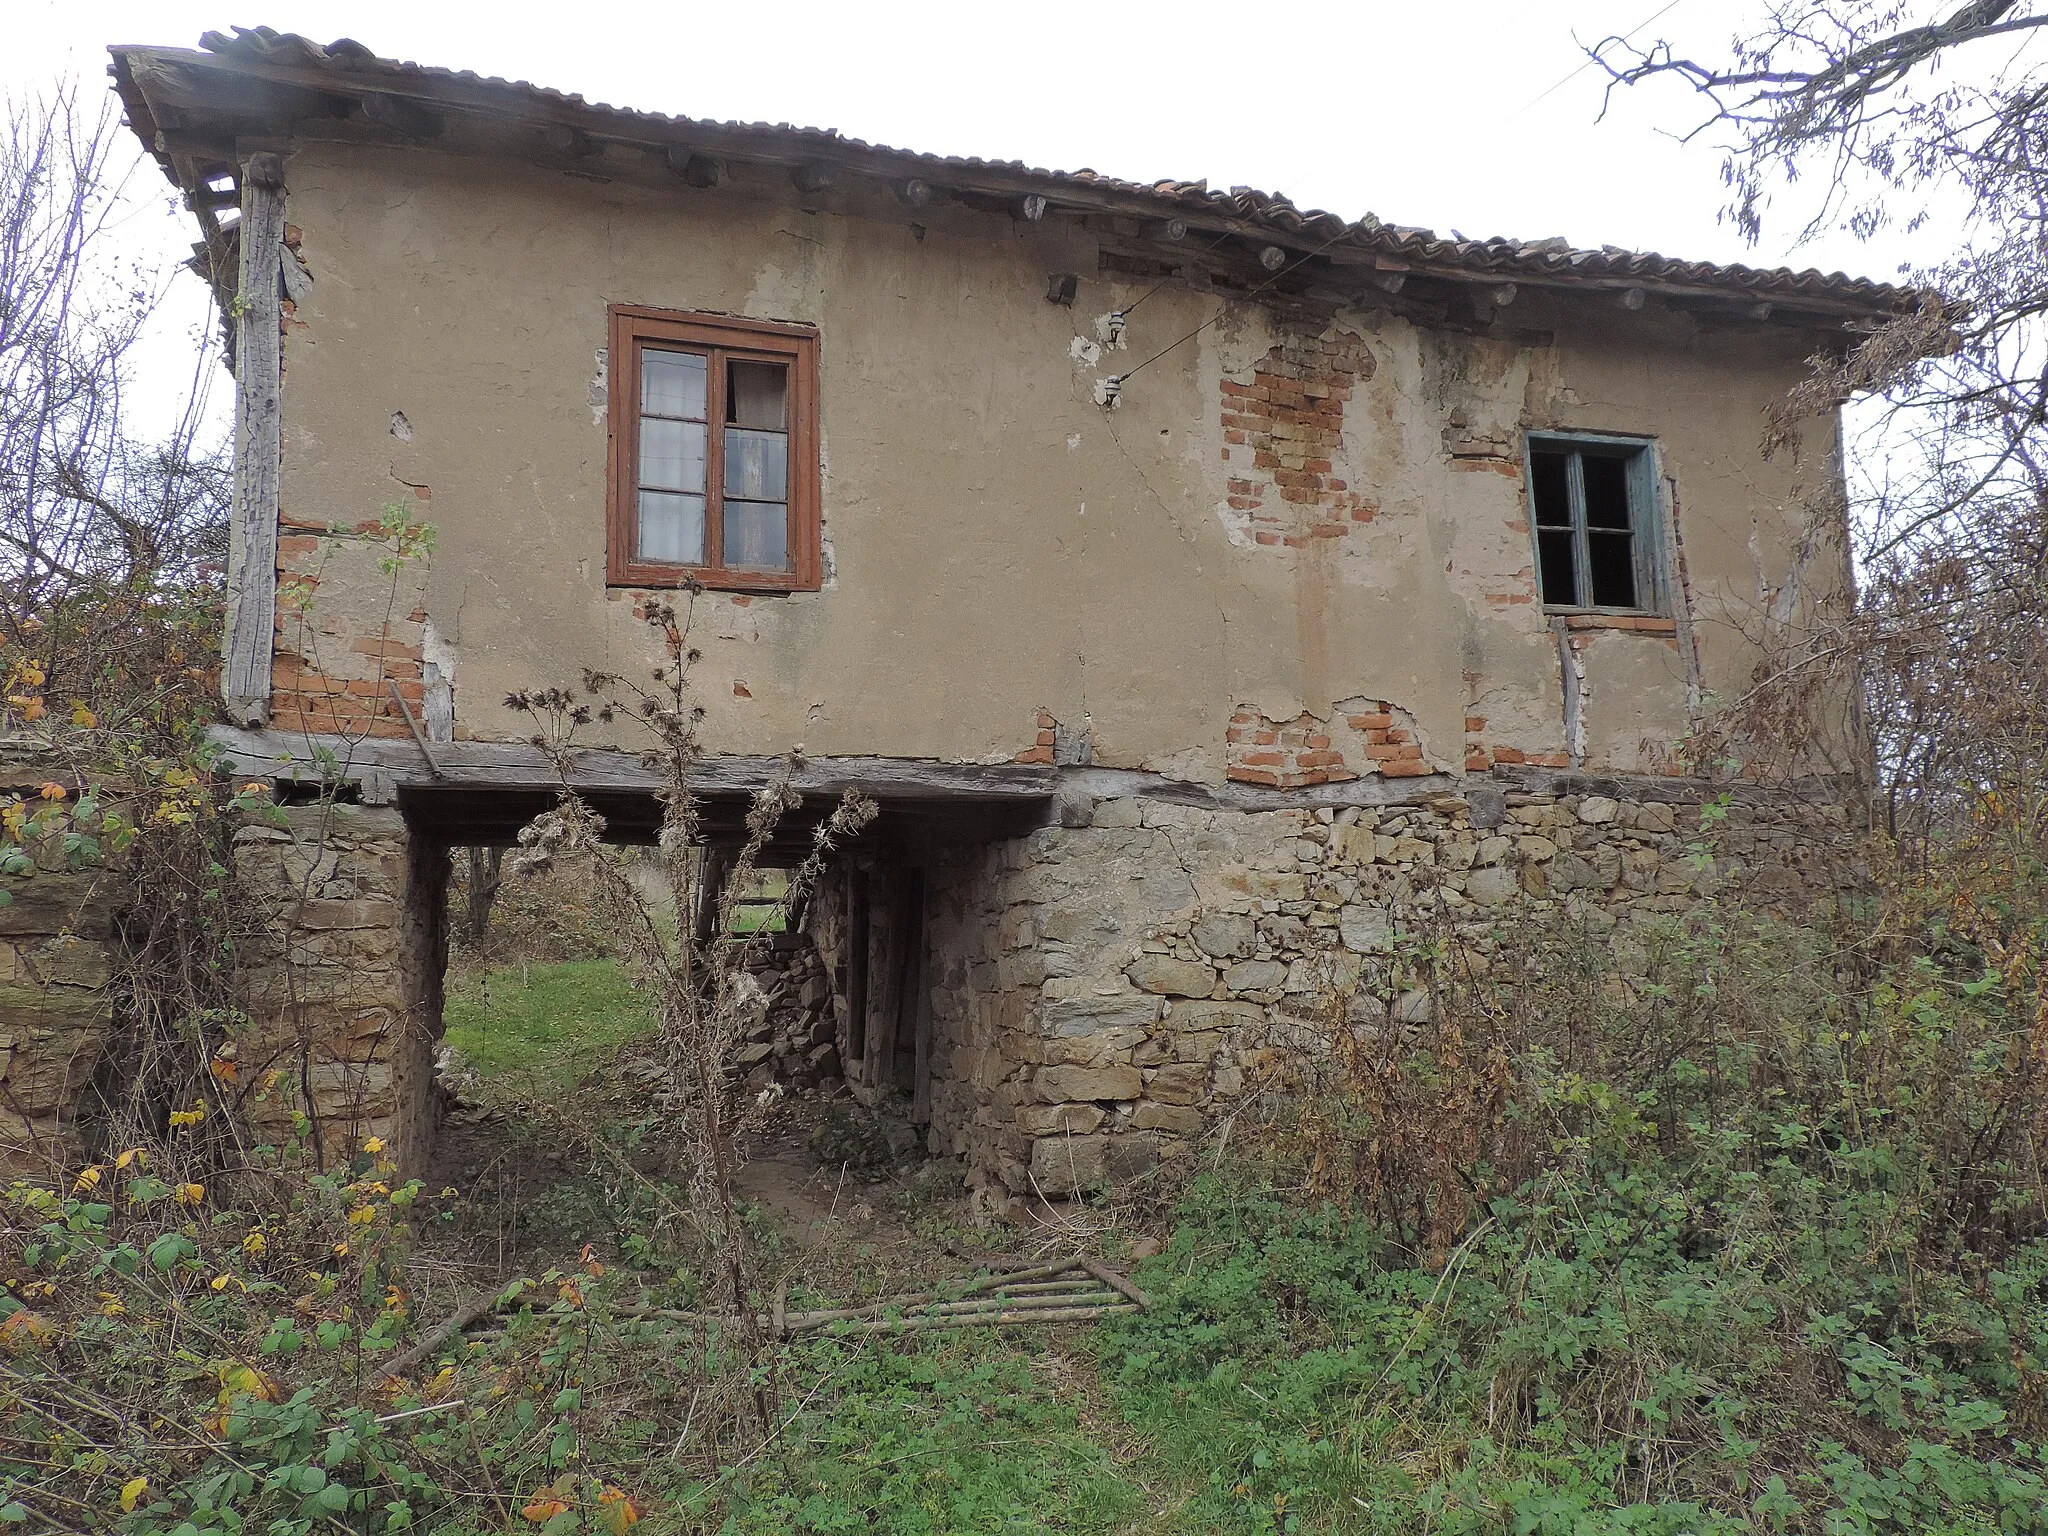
pixel 1198 583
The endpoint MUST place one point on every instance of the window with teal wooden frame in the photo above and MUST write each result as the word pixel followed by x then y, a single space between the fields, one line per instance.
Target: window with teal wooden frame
pixel 1597 523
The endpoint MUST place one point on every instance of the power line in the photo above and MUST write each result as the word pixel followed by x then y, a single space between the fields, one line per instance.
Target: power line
pixel 1343 229
pixel 1117 380
pixel 1587 64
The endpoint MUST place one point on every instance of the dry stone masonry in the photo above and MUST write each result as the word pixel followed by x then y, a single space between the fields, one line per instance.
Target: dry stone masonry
pixel 57 956
pixel 1093 985
pixel 343 987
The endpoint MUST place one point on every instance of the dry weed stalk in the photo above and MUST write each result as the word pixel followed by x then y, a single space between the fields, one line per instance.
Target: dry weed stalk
pixel 700 986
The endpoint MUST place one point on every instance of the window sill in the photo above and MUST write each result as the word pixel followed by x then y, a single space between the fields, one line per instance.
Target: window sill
pixel 669 578
pixel 1633 623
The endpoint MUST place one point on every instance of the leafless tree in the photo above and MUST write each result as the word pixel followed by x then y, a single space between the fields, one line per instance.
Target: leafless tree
pixel 93 519
pixel 1895 117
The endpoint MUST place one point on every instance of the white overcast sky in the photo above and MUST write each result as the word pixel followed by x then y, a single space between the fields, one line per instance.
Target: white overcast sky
pixel 1474 115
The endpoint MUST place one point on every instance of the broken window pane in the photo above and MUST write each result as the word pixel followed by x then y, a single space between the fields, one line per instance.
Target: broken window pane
pixel 1611 555
pixel 1554 554
pixel 1606 491
pixel 672 454
pixel 1548 488
pixel 757 535
pixel 671 528
pixel 672 383
pixel 756 464
pixel 756 395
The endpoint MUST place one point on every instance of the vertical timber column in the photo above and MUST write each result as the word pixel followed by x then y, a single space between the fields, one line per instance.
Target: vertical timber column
pixel 259 447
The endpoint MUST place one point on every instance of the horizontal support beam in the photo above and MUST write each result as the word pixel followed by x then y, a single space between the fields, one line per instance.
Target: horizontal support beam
pixel 387 764
pixel 393 763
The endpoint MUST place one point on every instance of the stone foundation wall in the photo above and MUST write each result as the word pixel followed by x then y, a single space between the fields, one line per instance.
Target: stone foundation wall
pixel 56 957
pixel 344 987
pixel 1092 984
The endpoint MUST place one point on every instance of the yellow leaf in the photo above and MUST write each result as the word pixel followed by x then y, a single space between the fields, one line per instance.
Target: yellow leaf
pixel 362 1215
pixel 253 1244
pixel 180 1118
pixel 23 1329
pixel 132 1492
pixel 374 1145
pixel 133 1155
pixel 88 1180
pixel 222 1068
pixel 191 1194
pixel 83 718
pixel 53 791
pixel 619 1513
pixel 239 1379
pixel 544 1509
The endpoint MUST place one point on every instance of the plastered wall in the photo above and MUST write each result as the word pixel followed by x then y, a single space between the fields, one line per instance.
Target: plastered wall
pixel 1275 521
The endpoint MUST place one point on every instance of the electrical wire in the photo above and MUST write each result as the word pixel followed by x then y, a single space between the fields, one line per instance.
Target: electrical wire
pixel 1342 231
pixel 1628 36
pixel 1141 298
pixel 1120 379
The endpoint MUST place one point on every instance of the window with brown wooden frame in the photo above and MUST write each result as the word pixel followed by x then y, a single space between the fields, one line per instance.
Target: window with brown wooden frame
pixel 714 452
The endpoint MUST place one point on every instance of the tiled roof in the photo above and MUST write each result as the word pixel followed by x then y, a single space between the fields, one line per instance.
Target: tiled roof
pixel 265 50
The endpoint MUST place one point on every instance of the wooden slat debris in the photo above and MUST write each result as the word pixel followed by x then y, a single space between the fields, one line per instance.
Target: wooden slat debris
pixel 1076 1289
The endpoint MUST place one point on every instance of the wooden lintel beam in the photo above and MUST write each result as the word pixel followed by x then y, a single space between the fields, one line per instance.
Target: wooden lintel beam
pixel 486 765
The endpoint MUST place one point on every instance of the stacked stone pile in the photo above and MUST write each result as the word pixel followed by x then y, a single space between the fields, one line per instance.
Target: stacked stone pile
pixel 794 1040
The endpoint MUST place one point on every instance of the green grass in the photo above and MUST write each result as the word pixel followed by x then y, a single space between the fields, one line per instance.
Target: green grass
pixel 554 1023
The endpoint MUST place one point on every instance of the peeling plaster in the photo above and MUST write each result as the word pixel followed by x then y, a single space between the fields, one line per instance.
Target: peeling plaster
pixel 943 572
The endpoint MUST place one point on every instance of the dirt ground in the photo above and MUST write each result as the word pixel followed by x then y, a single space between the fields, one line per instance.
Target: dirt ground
pixel 517 1189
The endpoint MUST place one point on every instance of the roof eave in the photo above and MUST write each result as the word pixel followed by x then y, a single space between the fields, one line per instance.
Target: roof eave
pixel 156 84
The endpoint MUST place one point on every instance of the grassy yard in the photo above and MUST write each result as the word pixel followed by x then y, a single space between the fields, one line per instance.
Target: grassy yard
pixel 552 1024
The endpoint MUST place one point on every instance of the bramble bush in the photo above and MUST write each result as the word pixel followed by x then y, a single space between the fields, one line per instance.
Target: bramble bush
pixel 1744 1229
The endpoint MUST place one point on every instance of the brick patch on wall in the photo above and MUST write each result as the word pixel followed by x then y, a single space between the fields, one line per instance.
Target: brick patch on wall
pixel 1281 436
pixel 1361 737
pixel 1046 734
pixel 331 674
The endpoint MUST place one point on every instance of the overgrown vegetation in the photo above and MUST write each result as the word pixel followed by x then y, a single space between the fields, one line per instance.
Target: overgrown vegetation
pixel 1725 1224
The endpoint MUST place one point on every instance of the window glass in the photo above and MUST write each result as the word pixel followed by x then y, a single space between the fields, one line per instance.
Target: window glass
pixel 756 465
pixel 757 535
pixel 672 454
pixel 672 383
pixel 671 528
